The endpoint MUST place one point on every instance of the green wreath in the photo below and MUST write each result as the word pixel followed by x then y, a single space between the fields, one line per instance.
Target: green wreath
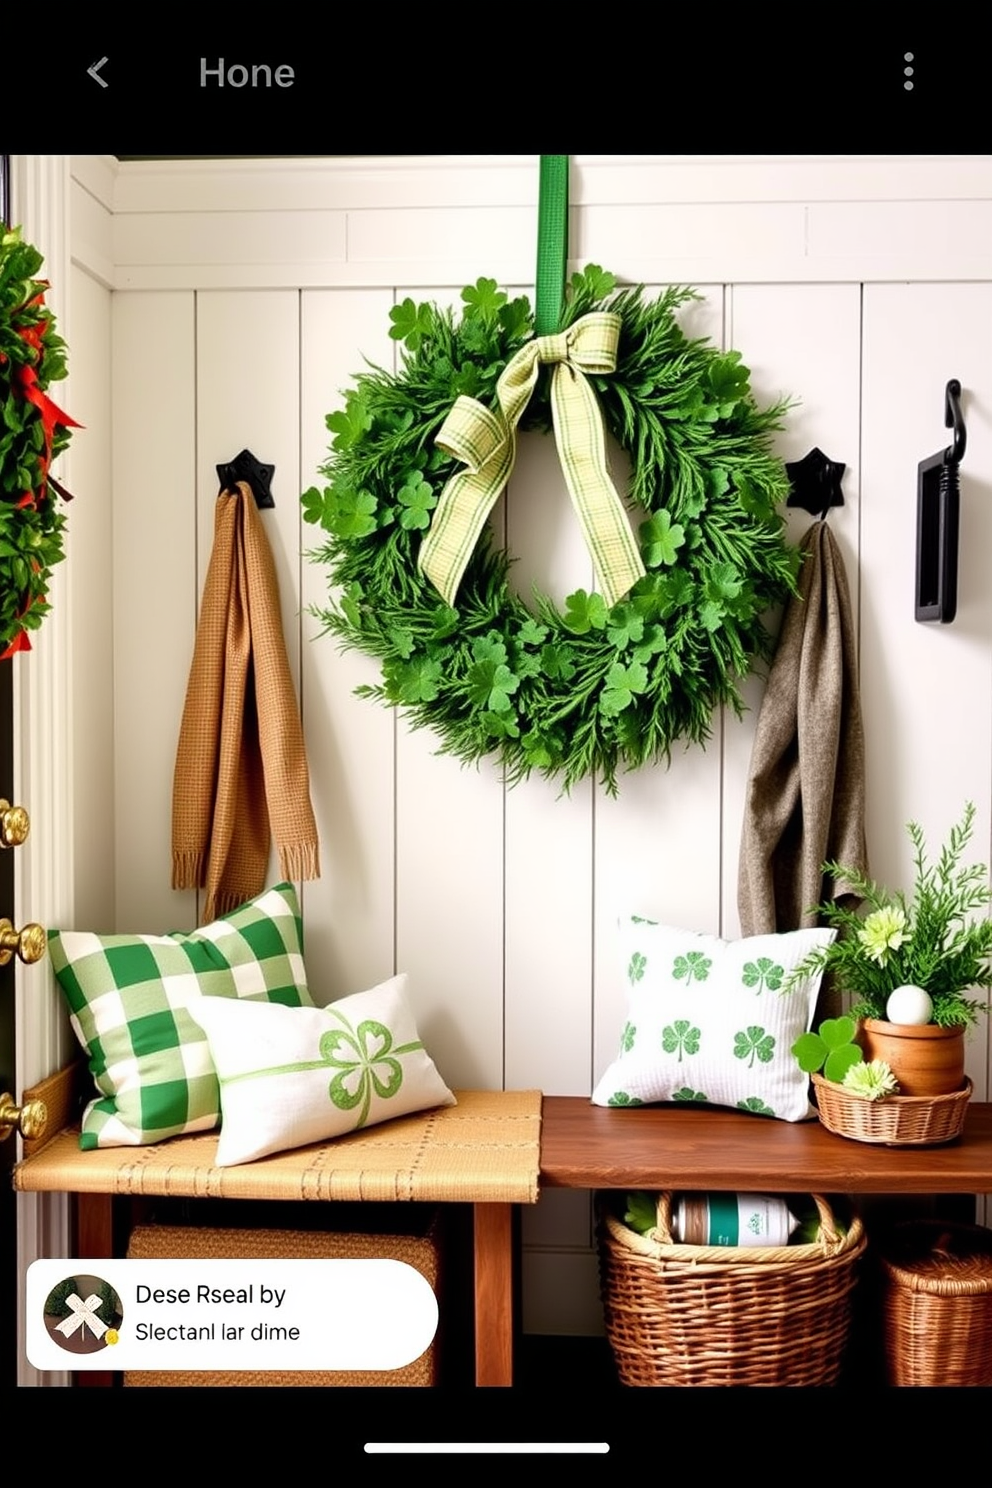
pixel 32 432
pixel 595 686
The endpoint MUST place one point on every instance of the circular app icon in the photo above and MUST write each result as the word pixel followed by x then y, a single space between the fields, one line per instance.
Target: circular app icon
pixel 83 1314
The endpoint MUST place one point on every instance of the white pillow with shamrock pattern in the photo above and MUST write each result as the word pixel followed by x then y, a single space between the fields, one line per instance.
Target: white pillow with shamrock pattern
pixel 287 1081
pixel 707 1022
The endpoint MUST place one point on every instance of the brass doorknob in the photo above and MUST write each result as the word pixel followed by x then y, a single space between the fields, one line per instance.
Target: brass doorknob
pixel 15 824
pixel 30 1119
pixel 29 943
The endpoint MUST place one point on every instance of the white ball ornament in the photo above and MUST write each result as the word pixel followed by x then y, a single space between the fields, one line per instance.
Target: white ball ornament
pixel 909 1005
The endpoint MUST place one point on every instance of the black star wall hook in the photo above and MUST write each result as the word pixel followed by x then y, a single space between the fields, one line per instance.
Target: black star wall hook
pixel 245 467
pixel 815 482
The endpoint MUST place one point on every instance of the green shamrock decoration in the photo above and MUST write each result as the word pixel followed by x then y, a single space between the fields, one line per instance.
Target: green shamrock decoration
pixel 754 1043
pixel 622 684
pixel 411 323
pixel 756 1105
pixel 636 968
pixel 417 498
pixel 661 539
pixel 763 973
pixel 680 1036
pixel 831 1048
pixel 693 966
pixel 365 1061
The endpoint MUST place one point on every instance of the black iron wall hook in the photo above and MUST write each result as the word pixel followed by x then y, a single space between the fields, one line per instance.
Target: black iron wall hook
pixel 954 420
pixel 815 481
pixel 938 504
pixel 245 467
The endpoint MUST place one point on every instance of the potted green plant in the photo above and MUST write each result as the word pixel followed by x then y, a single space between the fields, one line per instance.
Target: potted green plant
pixel 911 966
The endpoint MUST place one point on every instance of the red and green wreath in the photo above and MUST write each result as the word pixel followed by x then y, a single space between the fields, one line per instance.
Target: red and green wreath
pixel 33 430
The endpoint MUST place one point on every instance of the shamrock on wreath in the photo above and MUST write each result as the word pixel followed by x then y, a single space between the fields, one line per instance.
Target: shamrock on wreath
pixel 614 678
pixel 33 430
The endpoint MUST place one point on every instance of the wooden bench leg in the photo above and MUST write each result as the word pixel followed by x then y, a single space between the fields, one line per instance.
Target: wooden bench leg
pixel 493 1294
pixel 94 1238
pixel 94 1225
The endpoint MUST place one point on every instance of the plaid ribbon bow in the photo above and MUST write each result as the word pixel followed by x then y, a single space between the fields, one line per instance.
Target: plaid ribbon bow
pixel 484 440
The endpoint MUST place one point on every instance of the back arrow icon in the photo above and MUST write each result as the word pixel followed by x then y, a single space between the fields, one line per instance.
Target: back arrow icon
pixel 94 73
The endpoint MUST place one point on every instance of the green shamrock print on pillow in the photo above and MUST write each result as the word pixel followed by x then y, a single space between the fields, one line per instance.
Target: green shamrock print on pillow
pixel 680 1037
pixel 756 1105
pixel 693 966
pixel 636 968
pixel 763 973
pixel 754 1042
pixel 365 1063
pixel 365 1059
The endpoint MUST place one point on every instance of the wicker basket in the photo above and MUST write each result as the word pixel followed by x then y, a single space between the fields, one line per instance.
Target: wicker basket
pixel 896 1121
pixel 171 1242
pixel 937 1281
pixel 710 1315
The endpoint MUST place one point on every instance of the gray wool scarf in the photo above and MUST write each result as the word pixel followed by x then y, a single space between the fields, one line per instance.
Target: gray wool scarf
pixel 806 786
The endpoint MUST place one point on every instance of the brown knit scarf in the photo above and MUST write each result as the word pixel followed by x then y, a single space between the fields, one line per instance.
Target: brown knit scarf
pixel 241 766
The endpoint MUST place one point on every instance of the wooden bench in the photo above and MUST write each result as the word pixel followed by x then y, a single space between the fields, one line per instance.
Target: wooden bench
pixel 492 1150
pixel 484 1152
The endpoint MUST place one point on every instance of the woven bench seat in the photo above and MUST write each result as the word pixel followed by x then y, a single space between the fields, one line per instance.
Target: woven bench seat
pixel 484 1150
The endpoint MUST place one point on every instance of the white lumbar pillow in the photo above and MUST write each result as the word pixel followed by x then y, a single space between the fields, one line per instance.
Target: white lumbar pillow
pixel 287 1081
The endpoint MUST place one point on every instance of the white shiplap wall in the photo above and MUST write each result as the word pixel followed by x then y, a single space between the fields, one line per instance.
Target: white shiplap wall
pixel 246 294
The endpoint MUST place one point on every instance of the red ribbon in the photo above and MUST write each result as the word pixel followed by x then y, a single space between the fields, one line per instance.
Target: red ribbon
pixel 51 418
pixel 19 643
pixel 51 415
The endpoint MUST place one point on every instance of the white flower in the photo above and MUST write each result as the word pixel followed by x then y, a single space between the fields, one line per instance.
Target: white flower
pixel 882 932
pixel 871 1081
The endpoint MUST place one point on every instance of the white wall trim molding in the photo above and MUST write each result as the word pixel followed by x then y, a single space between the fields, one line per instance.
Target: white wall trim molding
pixel 361 181
pixel 42 764
pixel 91 207
pixel 329 222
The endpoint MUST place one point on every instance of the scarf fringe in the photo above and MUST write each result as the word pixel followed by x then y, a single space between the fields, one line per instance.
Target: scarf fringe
pixel 299 860
pixel 222 903
pixel 188 869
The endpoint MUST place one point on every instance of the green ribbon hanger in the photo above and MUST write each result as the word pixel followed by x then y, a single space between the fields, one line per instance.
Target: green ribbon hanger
pixel 552 243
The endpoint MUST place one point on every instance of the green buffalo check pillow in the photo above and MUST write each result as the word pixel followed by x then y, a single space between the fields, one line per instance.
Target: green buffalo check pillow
pixel 292 1076
pixel 707 1020
pixel 129 998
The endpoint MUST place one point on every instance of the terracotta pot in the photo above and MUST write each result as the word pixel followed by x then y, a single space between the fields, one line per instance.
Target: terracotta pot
pixel 925 1059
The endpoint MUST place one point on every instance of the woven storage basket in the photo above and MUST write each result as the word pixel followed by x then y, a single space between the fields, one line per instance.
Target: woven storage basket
pixel 896 1121
pixel 713 1315
pixel 937 1281
pixel 181 1242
